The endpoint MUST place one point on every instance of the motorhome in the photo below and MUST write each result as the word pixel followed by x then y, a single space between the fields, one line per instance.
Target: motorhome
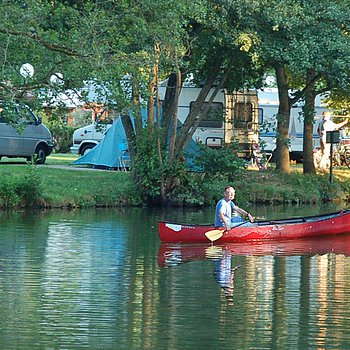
pixel 268 107
pixel 233 117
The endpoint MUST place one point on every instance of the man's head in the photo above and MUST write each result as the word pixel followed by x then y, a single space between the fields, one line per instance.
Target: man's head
pixel 326 115
pixel 229 193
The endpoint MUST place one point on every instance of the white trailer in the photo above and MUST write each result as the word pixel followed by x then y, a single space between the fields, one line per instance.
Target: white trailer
pixel 233 117
pixel 268 106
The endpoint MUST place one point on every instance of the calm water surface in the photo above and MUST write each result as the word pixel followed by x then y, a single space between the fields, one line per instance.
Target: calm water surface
pixel 101 279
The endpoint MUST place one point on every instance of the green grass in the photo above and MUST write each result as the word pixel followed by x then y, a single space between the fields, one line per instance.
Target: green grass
pixel 53 159
pixel 63 185
pixel 83 188
pixel 269 187
pixel 61 159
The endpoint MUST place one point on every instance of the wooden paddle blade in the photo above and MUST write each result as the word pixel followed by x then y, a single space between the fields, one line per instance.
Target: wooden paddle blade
pixel 213 235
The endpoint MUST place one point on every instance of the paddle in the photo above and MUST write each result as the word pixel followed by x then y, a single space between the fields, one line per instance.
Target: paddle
pixel 214 235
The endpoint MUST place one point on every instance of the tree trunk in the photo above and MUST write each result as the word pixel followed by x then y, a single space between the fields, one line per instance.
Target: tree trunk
pixel 309 116
pixel 136 109
pixel 151 86
pixel 182 138
pixel 283 117
pixel 172 140
pixel 169 106
pixel 150 104
pixel 130 134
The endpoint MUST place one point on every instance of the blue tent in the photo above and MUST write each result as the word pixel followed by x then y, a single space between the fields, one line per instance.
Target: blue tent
pixel 111 152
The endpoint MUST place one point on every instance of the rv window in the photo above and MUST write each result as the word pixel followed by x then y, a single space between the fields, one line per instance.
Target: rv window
pixel 214 117
pixel 243 114
pixel 260 115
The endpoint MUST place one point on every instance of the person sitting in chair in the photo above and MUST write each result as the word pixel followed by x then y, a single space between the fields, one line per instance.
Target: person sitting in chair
pixel 259 158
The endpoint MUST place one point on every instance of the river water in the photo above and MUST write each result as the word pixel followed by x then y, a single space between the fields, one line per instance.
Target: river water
pixel 101 279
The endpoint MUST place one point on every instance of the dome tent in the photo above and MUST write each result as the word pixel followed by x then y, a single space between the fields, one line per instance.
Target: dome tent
pixel 111 152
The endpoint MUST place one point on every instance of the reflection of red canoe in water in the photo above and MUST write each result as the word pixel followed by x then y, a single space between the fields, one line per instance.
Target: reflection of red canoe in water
pixel 311 226
pixel 170 254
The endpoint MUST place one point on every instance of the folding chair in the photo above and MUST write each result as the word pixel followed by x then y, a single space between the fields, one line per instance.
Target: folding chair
pixel 260 158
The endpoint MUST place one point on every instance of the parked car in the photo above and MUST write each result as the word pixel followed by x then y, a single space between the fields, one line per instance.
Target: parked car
pixel 87 137
pixel 29 138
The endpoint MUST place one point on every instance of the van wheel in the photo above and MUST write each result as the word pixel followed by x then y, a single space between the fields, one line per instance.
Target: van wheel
pixel 86 149
pixel 40 155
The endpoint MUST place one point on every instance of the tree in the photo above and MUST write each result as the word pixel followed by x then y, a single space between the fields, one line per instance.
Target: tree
pixel 307 46
pixel 44 35
pixel 125 49
pixel 326 62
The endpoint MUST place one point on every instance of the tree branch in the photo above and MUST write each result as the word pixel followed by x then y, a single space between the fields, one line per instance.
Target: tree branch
pixel 41 41
pixel 302 92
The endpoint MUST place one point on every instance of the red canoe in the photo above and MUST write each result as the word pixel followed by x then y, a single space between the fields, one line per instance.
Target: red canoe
pixel 311 226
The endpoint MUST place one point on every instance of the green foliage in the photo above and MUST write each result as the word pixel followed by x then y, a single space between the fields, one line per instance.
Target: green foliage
pixel 8 195
pixel 189 193
pixel 43 186
pixel 22 190
pixel 146 167
pixel 30 187
pixel 217 163
pixel 329 192
pixel 151 173
pixel 62 133
pixel 103 42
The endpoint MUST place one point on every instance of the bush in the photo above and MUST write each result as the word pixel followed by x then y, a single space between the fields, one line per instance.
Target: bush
pixel 22 190
pixel 62 134
pixel 219 163
pixel 8 193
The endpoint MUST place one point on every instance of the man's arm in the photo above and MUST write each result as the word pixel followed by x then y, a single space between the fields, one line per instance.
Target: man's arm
pixel 340 125
pixel 242 212
pixel 225 221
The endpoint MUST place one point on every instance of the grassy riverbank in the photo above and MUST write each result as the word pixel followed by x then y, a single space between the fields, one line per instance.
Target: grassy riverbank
pixel 58 184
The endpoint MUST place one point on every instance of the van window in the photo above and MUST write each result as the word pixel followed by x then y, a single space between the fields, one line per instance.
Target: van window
pixel 2 119
pixel 25 115
pixel 17 115
pixel 214 117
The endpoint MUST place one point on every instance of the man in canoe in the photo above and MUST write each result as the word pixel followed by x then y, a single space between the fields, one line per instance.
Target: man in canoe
pixel 228 214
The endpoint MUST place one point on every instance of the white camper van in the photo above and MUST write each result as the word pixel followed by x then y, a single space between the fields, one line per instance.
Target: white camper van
pixel 268 105
pixel 87 137
pixel 233 117
pixel 30 138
